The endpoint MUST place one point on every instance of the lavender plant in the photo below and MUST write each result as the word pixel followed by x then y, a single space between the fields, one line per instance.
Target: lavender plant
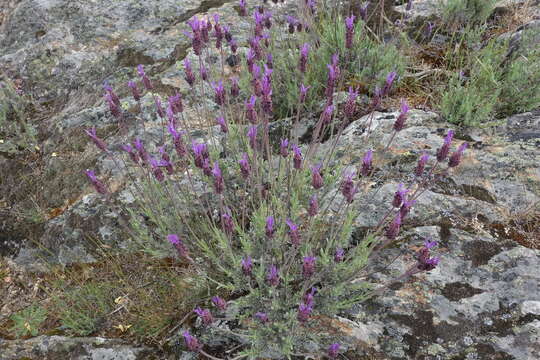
pixel 269 224
pixel 303 46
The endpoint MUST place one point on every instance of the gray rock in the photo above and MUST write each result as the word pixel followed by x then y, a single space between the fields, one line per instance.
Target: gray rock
pixel 468 306
pixel 60 347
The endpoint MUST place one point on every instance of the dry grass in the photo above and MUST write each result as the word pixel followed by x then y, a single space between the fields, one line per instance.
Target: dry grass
pixel 127 296
pixel 522 227
pixel 516 16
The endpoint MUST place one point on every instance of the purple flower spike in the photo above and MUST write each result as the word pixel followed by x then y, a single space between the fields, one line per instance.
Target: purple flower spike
pixel 245 168
pixel 191 342
pixel 219 90
pixel 200 154
pixel 235 88
pixel 316 178
pixel 166 160
pixel 234 46
pixel 269 229
pixel 227 221
pixel 304 312
pixel 159 108
pixel 348 188
pixel 252 135
pixel 297 158
pixel 132 154
pixel 205 315
pixel 179 145
pixel 293 232
pixel 114 98
pixel 390 78
pixel 303 93
pixel 420 166
pixel 176 103
pixel 266 91
pixel 113 107
pixel 308 266
pixel 262 317
pixel 219 303
pixel 424 260
pixel 393 230
pixel 339 255
pixel 247 265
pixel 304 53
pixel 190 77
pixel 273 276
pixel 309 297
pixel 429 244
pixel 156 170
pixel 292 21
pixel 95 139
pixel 243 8
pixel 170 116
pixel 222 124
pixel 406 208
pixel 284 148
pixel 400 121
pixel 349 25
pixel 203 71
pixel 142 151
pixel 178 245
pixel 207 170
pixel 367 163
pixel 98 185
pixel 218 178
pixel 313 206
pixel 326 116
pixel 227 33
pixel 134 91
pixel 443 151
pixel 333 351
pixel 399 196
pixel 251 113
pixel 146 81
pixel 455 158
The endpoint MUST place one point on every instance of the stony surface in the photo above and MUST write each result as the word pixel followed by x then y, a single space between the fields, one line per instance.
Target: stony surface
pixel 68 348
pixel 480 303
pixel 423 10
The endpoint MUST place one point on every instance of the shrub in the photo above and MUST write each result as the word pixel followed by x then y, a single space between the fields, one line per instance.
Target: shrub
pixel 27 321
pixel 491 84
pixel 365 63
pixel 270 225
pixel 82 309
pixel 521 79
pixel 472 101
pixel 456 14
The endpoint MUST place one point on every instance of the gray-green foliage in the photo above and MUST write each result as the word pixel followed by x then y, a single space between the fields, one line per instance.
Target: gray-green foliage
pixel 472 101
pixel 521 79
pixel 27 321
pixel 218 256
pixel 15 131
pixel 366 65
pixel 457 14
pixel 81 309
pixel 492 84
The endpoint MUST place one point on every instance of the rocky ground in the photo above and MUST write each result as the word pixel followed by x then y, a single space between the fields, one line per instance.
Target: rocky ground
pixel 483 302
